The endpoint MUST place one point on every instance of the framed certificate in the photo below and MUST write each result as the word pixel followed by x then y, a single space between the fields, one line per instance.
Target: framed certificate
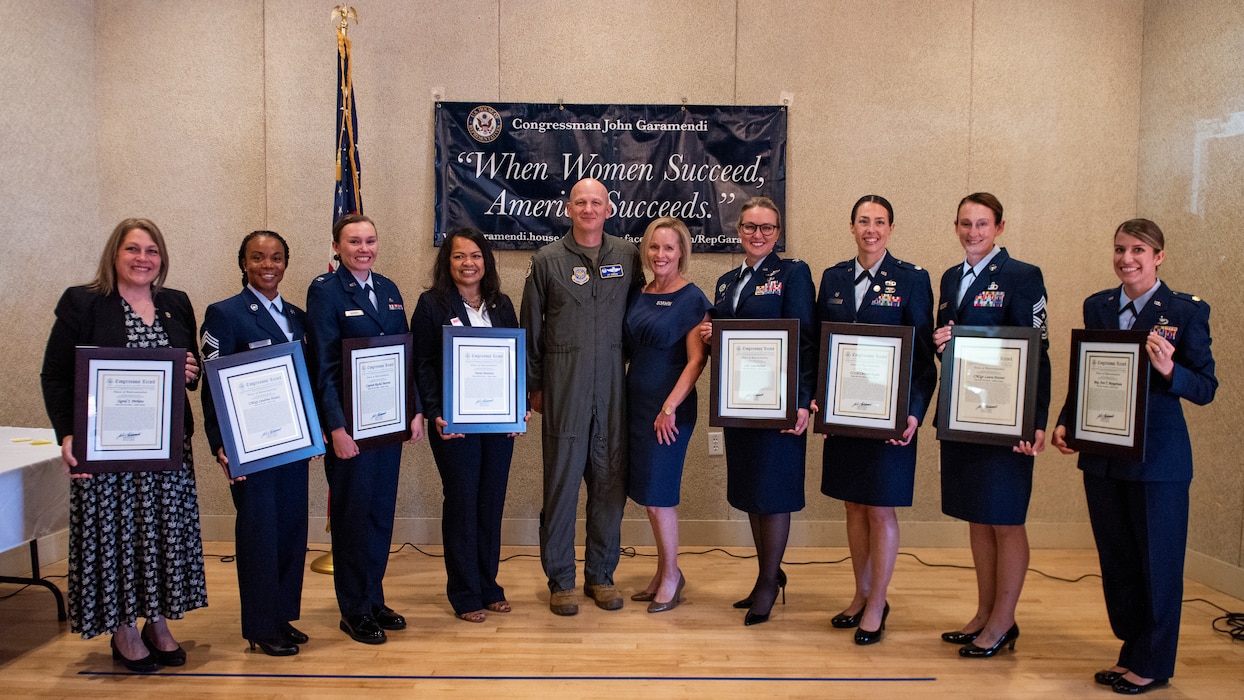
pixel 484 380
pixel 379 395
pixel 755 373
pixel 864 380
pixel 988 390
pixel 1108 393
pixel 264 406
pixel 131 409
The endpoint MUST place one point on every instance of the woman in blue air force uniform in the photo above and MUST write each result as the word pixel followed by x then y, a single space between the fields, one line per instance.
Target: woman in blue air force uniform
pixel 271 525
pixel 1139 509
pixel 875 476
pixel 355 302
pixel 765 467
pixel 990 485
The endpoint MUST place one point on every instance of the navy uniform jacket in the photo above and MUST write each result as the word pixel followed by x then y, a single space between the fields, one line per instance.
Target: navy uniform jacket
pixel 339 309
pixel 901 295
pixel 777 289
pixel 237 324
pixel 430 317
pixel 1007 293
pixel 1184 320
pixel 84 317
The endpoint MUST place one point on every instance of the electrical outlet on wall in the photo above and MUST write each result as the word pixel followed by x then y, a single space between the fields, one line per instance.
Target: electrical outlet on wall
pixel 716 444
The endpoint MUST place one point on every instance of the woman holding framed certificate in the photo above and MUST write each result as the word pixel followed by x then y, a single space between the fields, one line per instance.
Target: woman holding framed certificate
pixel 270 530
pixel 765 466
pixel 662 337
pixel 355 302
pixel 874 476
pixel 134 544
pixel 474 468
pixel 989 485
pixel 1139 507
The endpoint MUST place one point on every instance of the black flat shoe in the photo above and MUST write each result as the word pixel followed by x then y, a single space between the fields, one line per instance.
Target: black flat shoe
pixel 1107 677
pixel 387 619
pixel 1125 687
pixel 274 647
pixel 291 634
pixel 363 628
pixel 176 657
pixel 863 637
pixel 961 638
pixel 843 621
pixel 147 664
pixel 747 602
pixel 971 651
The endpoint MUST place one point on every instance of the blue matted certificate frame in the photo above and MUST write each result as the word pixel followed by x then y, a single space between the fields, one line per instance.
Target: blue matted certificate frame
pixel 484 380
pixel 264 408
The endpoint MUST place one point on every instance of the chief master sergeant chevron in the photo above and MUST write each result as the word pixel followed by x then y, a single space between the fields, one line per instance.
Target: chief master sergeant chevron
pixel 573 306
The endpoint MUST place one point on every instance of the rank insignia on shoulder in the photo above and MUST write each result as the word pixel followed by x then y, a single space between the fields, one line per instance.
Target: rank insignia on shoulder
pixel 1196 298
pixel 579 275
pixel 607 271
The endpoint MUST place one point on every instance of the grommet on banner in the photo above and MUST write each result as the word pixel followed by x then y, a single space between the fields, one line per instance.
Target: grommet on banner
pixel 561 105
pixel 684 104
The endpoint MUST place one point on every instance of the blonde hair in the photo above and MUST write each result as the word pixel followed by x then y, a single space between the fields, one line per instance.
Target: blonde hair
pixel 684 240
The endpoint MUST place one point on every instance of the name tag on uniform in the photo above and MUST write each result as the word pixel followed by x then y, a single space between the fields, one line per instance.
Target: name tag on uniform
pixel 991 300
pixel 665 302
pixel 353 312
pixel 260 343
pixel 835 302
pixel 455 321
pixel 607 271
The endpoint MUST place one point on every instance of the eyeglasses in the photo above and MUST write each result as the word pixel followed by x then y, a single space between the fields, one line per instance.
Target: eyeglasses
pixel 765 229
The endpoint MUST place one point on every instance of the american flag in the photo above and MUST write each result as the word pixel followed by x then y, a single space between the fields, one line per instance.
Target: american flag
pixel 348 198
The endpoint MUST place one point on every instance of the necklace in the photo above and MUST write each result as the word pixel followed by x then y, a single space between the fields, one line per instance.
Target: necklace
pixel 476 304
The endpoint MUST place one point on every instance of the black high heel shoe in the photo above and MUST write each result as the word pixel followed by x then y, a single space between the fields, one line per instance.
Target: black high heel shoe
pixel 961 638
pixel 147 664
pixel 843 621
pixel 863 637
pixel 275 646
pixel 292 635
pixel 971 651
pixel 747 602
pixel 176 657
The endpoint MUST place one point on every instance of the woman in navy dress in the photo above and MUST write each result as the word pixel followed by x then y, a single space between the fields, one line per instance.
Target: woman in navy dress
pixel 987 485
pixel 134 544
pixel 873 477
pixel 270 530
pixel 1139 509
pixel 765 467
pixel 474 469
pixel 662 337
pixel 355 302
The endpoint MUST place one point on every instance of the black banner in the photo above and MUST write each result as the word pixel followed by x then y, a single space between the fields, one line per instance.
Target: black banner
pixel 506 169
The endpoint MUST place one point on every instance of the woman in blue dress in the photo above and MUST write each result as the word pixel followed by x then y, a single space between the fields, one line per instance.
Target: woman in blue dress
pixel 662 339
pixel 873 477
pixel 1139 508
pixel 765 466
pixel 988 485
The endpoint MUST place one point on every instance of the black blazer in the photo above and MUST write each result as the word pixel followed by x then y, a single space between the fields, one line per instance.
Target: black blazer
pixel 432 313
pixel 84 317
pixel 1184 319
pixel 338 308
pixel 237 324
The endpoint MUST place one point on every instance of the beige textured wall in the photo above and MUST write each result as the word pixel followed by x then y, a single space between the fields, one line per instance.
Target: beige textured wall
pixel 1193 102
pixel 217 118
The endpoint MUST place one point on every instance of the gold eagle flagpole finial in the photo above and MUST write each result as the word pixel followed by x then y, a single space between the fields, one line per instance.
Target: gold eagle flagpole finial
pixel 342 14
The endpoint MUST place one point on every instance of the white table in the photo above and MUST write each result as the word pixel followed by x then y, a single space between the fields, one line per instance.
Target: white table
pixel 34 498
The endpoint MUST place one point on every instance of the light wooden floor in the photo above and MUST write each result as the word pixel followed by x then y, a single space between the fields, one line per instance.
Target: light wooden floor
pixel 700 649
